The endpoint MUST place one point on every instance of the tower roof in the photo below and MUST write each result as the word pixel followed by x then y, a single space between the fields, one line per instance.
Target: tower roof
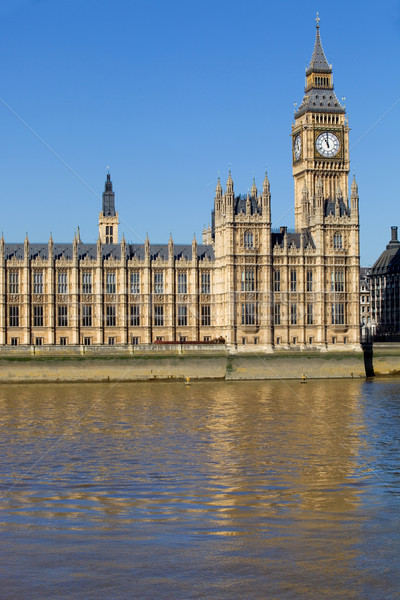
pixel 389 260
pixel 318 62
pixel 319 93
pixel 108 198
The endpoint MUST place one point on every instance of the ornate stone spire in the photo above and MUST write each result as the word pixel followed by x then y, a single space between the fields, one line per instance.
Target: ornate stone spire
pixel 229 183
pixel 318 62
pixel 266 186
pixel 108 198
pixel 253 191
pixel 354 187
pixel 50 246
pixel 248 204
pixel 319 194
pixel 170 247
pixel 266 199
pixel 229 196
pixel 354 198
pixel 218 189
pixel 319 93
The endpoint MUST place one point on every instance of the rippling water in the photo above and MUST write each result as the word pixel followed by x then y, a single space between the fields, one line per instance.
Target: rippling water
pixel 249 490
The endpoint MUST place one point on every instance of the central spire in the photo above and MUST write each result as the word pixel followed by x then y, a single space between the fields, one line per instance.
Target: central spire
pixel 318 62
pixel 108 198
pixel 319 94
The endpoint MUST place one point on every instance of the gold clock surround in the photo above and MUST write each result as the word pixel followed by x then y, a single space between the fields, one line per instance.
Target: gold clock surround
pixel 338 134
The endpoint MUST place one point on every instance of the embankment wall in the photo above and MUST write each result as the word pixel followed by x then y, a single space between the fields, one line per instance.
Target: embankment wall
pixel 74 364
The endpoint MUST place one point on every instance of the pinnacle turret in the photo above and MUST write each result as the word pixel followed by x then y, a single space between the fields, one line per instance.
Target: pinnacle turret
pixel 266 182
pixel 218 189
pixel 354 187
pixel 229 183
pixel 253 191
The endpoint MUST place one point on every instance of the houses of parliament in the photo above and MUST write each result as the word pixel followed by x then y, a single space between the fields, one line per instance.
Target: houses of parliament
pixel 248 284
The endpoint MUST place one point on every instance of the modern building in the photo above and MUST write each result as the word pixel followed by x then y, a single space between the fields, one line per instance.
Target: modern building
pixel 256 287
pixel 384 280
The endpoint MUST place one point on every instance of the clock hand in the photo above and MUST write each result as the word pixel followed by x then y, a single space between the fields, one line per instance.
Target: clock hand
pixel 327 140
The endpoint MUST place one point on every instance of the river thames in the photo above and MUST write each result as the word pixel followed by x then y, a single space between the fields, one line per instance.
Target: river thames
pixel 246 490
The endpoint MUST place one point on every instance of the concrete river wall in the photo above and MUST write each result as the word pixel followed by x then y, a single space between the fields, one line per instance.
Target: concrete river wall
pixel 52 364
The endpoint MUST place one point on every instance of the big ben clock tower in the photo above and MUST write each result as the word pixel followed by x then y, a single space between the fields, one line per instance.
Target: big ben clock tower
pixel 320 141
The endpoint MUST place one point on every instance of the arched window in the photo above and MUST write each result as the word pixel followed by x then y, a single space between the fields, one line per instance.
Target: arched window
pixel 248 240
pixel 337 241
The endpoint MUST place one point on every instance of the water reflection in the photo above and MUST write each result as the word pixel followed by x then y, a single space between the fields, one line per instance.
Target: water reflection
pixel 214 490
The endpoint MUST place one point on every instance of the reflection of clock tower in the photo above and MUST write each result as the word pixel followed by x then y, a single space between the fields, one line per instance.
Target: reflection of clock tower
pixel 320 142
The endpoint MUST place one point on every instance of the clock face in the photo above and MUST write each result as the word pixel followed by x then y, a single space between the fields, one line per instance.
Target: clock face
pixel 297 147
pixel 327 144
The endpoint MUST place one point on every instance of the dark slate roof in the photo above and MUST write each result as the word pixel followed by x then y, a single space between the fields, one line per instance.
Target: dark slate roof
pixel 388 261
pixel 60 251
pixel 320 100
pixel 64 251
pixel 330 206
pixel 318 63
pixel 108 251
pixel 14 250
pixel 293 238
pixel 180 251
pixel 240 205
pixel 111 251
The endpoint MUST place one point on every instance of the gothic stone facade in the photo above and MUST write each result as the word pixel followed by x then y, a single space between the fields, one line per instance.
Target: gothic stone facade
pixel 255 287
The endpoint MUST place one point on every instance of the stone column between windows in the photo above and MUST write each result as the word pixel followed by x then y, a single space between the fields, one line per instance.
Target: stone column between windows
pixel 352 292
pixel 194 297
pixel 265 289
pixel 286 295
pixel 147 304
pixel 74 306
pixel 231 301
pixel 3 297
pixel 323 286
pixel 266 296
pixel 25 318
pixel 170 306
pixel 303 296
pixel 98 318
pixel 123 298
pixel 50 297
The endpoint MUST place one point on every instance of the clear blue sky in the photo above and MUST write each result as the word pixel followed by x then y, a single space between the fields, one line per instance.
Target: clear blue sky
pixel 170 93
